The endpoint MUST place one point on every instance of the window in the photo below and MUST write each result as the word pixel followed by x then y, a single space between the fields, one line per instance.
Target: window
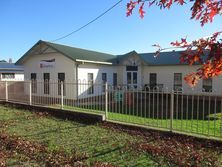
pixel 90 83
pixel 61 78
pixel 134 77
pixel 34 82
pixel 177 82
pixel 129 78
pixel 114 79
pixel 131 68
pixel 8 75
pixel 207 85
pixel 153 80
pixel 104 80
pixel 46 77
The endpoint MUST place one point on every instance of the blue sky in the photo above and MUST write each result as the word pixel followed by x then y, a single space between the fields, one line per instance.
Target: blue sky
pixel 25 22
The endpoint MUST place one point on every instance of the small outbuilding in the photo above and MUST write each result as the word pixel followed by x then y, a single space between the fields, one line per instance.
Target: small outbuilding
pixel 11 72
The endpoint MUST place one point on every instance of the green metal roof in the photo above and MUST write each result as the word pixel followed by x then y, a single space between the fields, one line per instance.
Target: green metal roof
pixel 83 54
pixel 165 58
pixel 73 53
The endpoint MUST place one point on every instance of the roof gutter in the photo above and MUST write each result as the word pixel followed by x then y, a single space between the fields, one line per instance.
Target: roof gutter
pixel 95 62
pixel 20 69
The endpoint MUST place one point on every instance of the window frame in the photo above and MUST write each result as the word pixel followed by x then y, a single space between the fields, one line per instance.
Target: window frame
pixel 206 87
pixel 46 78
pixel 178 84
pixel 104 80
pixel 61 79
pixel 34 82
pixel 90 78
pixel 115 75
pixel 7 74
pixel 153 84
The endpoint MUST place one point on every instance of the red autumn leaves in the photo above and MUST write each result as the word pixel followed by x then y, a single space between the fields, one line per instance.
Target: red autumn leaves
pixel 205 10
pixel 205 51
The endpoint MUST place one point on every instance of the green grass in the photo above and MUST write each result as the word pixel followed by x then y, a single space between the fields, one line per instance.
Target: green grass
pixel 99 143
pixel 200 127
pixel 210 128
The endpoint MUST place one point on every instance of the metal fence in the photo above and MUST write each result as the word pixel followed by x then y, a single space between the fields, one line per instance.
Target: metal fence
pixel 196 114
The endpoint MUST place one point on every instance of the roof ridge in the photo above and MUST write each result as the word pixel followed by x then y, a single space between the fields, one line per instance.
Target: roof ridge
pixel 83 49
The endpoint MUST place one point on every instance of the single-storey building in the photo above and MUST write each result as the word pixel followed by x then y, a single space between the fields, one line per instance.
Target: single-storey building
pixel 80 69
pixel 11 72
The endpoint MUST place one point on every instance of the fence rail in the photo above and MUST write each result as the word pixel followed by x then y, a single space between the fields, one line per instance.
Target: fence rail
pixel 198 114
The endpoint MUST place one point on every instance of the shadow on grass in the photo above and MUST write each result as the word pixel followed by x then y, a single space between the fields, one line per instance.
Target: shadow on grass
pixel 56 130
pixel 102 153
pixel 58 113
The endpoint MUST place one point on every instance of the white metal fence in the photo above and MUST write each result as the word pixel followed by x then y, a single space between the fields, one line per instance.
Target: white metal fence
pixel 198 114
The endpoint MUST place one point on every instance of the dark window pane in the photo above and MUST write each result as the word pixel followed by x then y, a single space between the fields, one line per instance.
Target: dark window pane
pixel 104 79
pixel 129 78
pixel 8 75
pixel 114 79
pixel 131 68
pixel 153 79
pixel 207 85
pixel 178 81
pixel 90 83
pixel 46 77
pixel 34 82
pixel 33 76
pixel 135 78
pixel 61 78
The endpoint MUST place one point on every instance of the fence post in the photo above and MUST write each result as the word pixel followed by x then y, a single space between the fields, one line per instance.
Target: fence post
pixel 171 110
pixel 106 101
pixel 30 92
pixel 62 97
pixel 6 91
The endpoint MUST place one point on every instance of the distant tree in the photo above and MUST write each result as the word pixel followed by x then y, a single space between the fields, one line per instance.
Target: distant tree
pixel 205 51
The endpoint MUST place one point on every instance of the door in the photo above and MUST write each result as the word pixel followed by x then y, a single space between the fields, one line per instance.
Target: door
pixel 132 79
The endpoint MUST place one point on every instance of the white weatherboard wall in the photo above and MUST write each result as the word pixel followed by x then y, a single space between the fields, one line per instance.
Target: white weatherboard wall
pixel 217 85
pixel 62 65
pixel 165 76
pixel 97 70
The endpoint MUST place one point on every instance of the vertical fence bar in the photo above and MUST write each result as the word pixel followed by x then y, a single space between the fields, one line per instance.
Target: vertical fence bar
pixel 197 113
pixel 171 111
pixel 192 112
pixel 30 92
pixel 215 112
pixel 106 101
pixel 6 91
pixel 62 96
pixel 167 109
pixel 220 127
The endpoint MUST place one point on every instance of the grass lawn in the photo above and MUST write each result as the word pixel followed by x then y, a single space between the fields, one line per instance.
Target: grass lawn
pixel 199 127
pixel 95 143
pixel 209 127
pixel 99 144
